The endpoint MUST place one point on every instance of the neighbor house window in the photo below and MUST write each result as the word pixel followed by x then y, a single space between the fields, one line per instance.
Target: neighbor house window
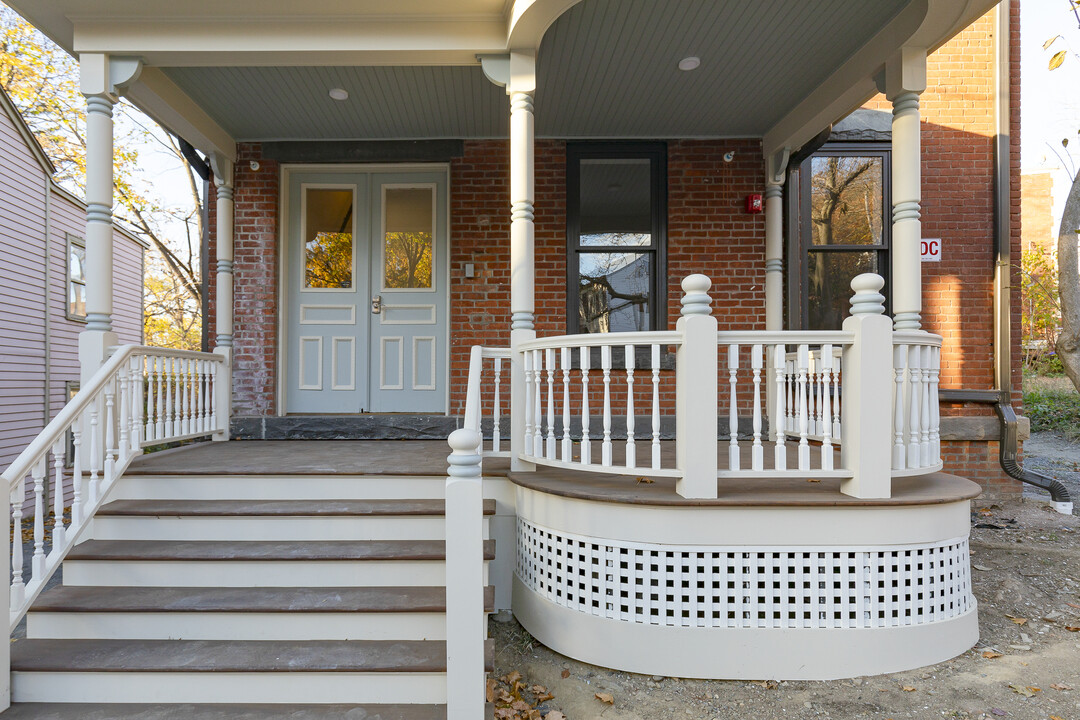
pixel 845 224
pixel 616 232
pixel 76 275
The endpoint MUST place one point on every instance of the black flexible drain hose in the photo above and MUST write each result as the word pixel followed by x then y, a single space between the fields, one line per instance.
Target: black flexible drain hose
pixel 1007 445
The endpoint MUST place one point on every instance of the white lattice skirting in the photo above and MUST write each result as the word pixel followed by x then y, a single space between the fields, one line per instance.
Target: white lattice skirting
pixel 788 612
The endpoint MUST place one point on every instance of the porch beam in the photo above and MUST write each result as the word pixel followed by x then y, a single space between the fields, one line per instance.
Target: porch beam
pixel 922 23
pixel 101 79
pixel 905 79
pixel 272 42
pixel 160 98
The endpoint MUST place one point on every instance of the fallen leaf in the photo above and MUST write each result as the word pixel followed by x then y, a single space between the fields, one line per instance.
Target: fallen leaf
pixel 997 711
pixel 491 690
pixel 1025 691
pixel 565 674
pixel 980 568
pixel 1059 57
pixel 1060 686
pixel 605 698
pixel 1017 620
pixel 521 705
pixel 511 678
pixel 1072 628
pixel 1073 605
pixel 504 713
pixel 985 511
pixel 767 684
pixel 990 654
pixel 646 480
pixel 538 689
pixel 1056 717
pixel 908 688
pixel 813 480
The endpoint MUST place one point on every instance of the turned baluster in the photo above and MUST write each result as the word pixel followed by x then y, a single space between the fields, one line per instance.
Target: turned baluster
pixel 631 448
pixel 757 455
pixel 605 366
pixel 586 447
pixel 655 359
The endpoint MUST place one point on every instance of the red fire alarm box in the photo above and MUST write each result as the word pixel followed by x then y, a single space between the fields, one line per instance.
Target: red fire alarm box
pixel 754 204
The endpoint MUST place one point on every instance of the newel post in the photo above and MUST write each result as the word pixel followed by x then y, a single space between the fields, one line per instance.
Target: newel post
pixel 465 622
pixel 867 380
pixel 695 392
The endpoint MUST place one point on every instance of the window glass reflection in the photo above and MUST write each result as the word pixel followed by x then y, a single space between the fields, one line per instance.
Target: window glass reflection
pixel 613 292
pixel 328 239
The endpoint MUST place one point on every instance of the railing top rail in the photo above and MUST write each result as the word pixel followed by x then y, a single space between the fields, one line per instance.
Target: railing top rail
pixel 660 337
pixel 916 337
pixel 785 337
pixel 170 352
pixel 493 352
pixel 68 414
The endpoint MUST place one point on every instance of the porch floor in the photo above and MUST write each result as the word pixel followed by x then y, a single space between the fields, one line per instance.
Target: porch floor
pixel 428 458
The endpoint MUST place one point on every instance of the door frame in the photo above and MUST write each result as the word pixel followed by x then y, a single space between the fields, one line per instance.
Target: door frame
pixel 284 177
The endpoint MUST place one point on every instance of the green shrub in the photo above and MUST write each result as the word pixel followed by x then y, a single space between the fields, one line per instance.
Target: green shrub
pixel 1055 410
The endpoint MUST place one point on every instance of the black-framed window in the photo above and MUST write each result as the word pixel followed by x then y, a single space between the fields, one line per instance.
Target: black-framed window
pixel 845 209
pixel 616 234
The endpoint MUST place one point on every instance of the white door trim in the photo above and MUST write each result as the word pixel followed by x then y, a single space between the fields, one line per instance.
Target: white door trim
pixel 284 175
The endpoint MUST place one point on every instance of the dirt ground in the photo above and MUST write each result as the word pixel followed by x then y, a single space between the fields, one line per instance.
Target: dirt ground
pixel 1026 576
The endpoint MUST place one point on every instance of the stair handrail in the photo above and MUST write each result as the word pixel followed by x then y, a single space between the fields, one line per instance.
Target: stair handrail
pixel 109 426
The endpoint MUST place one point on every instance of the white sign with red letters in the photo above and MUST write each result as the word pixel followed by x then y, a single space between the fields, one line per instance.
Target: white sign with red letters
pixel 931 249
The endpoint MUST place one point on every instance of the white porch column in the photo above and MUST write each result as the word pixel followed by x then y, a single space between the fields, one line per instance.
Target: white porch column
pixel 905 79
pixel 223 320
pixel 775 174
pixel 100 78
pixel 520 88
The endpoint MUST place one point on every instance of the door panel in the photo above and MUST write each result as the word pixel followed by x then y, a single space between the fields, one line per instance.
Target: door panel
pixel 409 273
pixel 366 261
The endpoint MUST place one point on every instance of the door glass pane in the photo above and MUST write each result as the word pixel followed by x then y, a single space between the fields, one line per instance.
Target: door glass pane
pixel 407 239
pixel 616 202
pixel 845 200
pixel 613 292
pixel 830 275
pixel 328 238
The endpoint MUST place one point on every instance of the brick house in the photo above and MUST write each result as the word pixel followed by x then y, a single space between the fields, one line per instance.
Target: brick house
pixel 710 289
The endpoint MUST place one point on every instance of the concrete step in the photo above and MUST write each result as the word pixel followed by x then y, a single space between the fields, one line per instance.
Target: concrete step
pixel 188 711
pixel 172 671
pixel 380 519
pixel 136 486
pixel 389 613
pixel 161 563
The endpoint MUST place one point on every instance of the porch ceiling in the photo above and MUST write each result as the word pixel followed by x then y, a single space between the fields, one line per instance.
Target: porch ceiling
pixel 606 68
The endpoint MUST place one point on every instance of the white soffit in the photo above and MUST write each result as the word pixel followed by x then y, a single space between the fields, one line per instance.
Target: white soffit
pixel 606 68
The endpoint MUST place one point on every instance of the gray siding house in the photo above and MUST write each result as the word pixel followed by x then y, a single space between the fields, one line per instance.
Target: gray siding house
pixel 42 303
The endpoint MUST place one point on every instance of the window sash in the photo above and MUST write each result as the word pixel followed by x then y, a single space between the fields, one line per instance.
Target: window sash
pixel 656 153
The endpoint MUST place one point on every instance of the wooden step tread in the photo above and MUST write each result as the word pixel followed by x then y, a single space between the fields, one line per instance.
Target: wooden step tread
pixel 278 508
pixel 138 711
pixel 245 656
pixel 72 599
pixel 204 550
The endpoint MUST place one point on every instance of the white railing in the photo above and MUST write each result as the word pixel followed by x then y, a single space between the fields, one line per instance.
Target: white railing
pixel 489 370
pixel 141 396
pixel 916 427
pixel 822 372
pixel 803 387
pixel 570 377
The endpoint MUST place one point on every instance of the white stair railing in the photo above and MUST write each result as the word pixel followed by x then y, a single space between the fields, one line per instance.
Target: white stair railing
pixel 141 396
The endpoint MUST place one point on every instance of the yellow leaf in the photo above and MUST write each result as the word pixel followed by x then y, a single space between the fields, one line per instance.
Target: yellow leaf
pixel 646 480
pixel 1059 57
pixel 1025 691
pixel 908 688
pixel 1072 628
pixel 990 654
pixel 1050 42
pixel 605 698
pixel 1017 620
pixel 1060 686
pixel 813 479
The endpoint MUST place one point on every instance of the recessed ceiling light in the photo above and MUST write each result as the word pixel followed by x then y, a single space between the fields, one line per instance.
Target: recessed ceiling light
pixel 689 63
pixel 339 93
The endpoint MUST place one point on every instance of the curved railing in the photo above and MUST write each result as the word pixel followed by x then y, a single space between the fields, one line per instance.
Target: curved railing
pixel 916 438
pixel 585 366
pixel 141 396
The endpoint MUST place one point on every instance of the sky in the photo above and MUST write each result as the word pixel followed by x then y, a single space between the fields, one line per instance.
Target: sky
pixel 1050 100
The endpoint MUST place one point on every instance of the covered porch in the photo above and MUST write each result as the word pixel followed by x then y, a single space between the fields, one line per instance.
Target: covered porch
pixel 717 495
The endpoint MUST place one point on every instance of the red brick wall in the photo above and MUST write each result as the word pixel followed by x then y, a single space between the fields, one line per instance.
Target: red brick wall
pixel 255 283
pixel 707 232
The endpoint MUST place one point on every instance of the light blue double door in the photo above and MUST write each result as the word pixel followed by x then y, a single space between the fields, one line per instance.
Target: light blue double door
pixel 366 275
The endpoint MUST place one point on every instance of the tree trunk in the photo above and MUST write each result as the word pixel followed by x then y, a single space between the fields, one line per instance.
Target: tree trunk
pixel 1068 343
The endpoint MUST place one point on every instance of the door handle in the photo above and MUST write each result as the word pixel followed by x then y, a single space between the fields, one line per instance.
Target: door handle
pixel 376 305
